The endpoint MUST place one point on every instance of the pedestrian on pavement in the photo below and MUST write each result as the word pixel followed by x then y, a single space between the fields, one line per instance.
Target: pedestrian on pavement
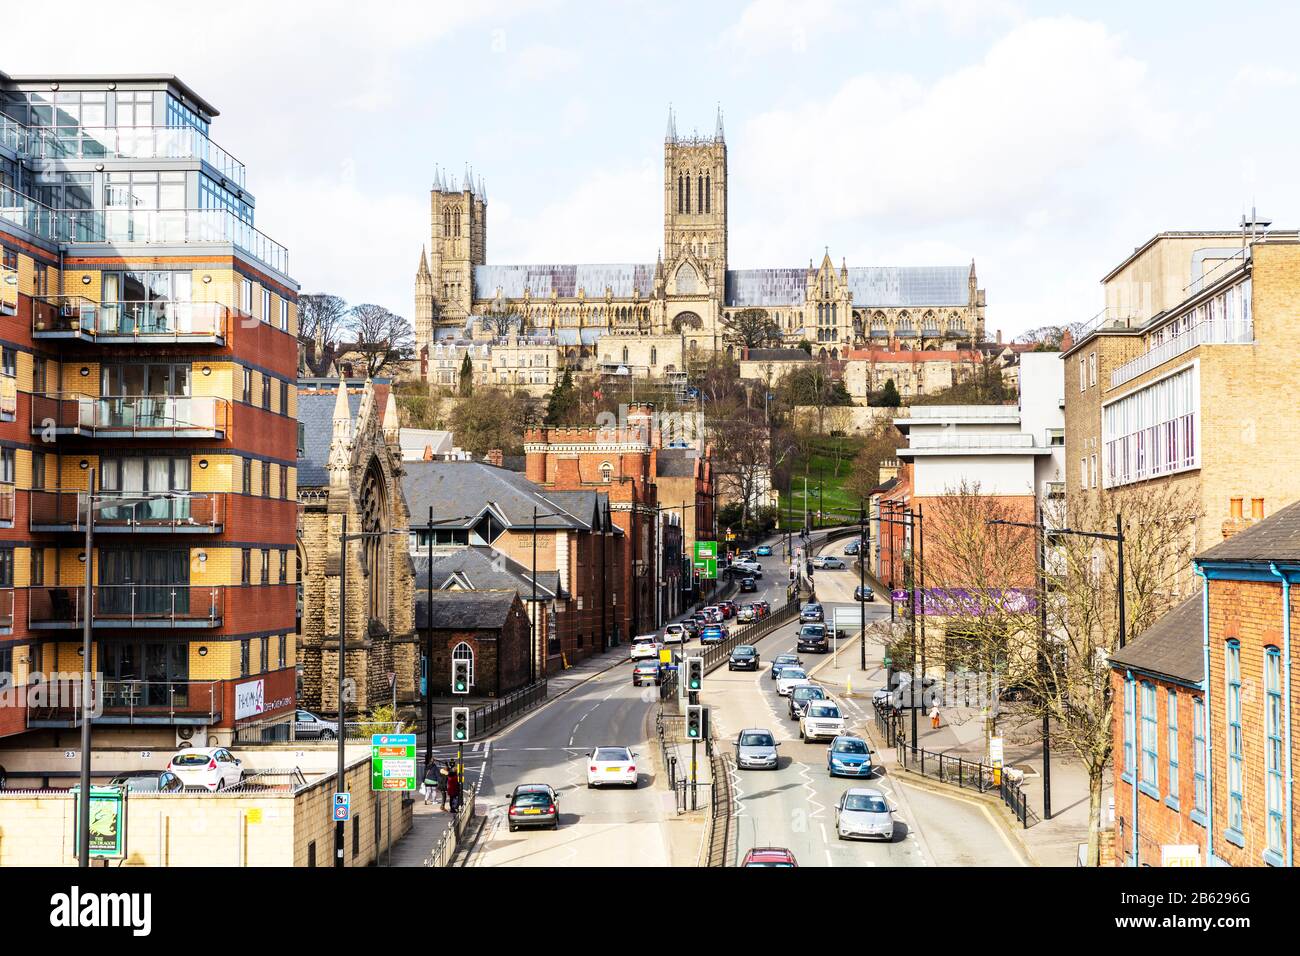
pixel 934 717
pixel 453 789
pixel 431 778
pixel 442 785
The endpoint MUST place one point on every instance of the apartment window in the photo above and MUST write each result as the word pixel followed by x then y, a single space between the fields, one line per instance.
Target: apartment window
pixel 1083 374
pixel 245 652
pixel 284 398
pixel 1083 471
pixel 1200 788
pixel 266 391
pixel 266 479
pixel 284 567
pixel 264 662
pixel 6 568
pixel 266 566
pixel 1236 758
pixel 8 361
pixel 1150 741
pixel 248 386
pixel 1128 728
pixel 38 470
pixel 40 373
pixel 6 466
pixel 246 465
pixel 246 296
pixel 284 651
pixel 1273 752
pixel 1171 738
pixel 284 316
pixel 1092 368
pixel 38 566
pixel 266 305
pixel 1055 436
pixel 311 853
pixel 1152 431
pixel 1092 471
pixel 246 566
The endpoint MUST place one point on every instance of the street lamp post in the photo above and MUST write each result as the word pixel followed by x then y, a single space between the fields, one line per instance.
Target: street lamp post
pixel 1044 533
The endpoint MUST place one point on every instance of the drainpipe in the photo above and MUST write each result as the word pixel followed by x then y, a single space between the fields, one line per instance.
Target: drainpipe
pixel 1131 687
pixel 1209 737
pixel 1286 685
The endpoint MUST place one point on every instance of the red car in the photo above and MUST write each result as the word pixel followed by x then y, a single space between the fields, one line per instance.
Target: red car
pixel 769 856
pixel 728 609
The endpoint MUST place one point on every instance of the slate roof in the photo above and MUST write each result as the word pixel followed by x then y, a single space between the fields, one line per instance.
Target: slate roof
pixel 1172 647
pixel 466 610
pixel 776 355
pixel 316 412
pixel 458 488
pixel 1276 538
pixel 564 280
pixel 481 568
pixel 676 463
pixel 887 286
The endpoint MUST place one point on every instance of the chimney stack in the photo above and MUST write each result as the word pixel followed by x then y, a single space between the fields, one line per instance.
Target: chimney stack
pixel 1234 508
pixel 494 457
pixel 1256 509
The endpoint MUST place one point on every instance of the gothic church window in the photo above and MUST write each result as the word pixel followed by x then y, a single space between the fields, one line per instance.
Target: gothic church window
pixel 606 469
pixel 699 193
pixel 687 279
pixel 679 192
pixel 708 193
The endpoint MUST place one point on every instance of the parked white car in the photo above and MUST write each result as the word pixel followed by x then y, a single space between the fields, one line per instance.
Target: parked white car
pixel 611 765
pixel 789 677
pixel 675 634
pixel 822 719
pixel 213 768
pixel 645 646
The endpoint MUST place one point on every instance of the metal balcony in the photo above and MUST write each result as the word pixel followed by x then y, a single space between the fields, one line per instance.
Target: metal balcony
pixel 140 512
pixel 126 702
pixel 126 606
pixel 130 416
pixel 134 323
pixel 123 142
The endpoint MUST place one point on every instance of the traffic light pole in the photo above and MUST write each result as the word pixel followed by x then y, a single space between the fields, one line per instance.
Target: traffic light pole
pixel 340 825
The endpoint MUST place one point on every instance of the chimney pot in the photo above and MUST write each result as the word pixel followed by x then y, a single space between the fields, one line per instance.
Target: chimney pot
pixel 1234 507
pixel 1257 509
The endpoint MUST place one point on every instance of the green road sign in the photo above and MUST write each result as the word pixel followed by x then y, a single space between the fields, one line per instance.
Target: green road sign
pixel 392 762
pixel 705 549
pixel 708 567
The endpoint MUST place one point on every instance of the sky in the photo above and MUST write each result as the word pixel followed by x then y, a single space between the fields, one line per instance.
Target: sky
pixel 1043 140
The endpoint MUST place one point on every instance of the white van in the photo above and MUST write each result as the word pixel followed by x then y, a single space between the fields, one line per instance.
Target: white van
pixel 675 634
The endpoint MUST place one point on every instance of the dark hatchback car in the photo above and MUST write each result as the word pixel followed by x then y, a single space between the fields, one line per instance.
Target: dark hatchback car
pixel 744 657
pixel 747 585
pixel 148 781
pixel 812 637
pixel 801 695
pixel 533 805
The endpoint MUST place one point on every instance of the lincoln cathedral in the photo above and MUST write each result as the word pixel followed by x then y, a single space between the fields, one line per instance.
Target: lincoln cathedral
pixel 679 302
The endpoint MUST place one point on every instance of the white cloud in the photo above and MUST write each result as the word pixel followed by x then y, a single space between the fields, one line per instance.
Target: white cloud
pixel 1255 76
pixel 767 26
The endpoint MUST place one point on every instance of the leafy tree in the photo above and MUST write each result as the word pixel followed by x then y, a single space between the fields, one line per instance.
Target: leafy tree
pixel 416 407
pixel 806 346
pixel 888 397
pixel 465 387
pixel 564 401
pixel 494 418
pixel 881 443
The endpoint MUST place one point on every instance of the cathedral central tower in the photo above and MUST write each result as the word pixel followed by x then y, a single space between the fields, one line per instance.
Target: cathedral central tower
pixel 695 209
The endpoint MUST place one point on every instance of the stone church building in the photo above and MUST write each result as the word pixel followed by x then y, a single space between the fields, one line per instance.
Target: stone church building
pixel 677 304
pixel 350 465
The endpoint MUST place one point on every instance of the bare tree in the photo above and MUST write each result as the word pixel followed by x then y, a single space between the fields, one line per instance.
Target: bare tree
pixel 382 337
pixel 1071 683
pixel 502 320
pixel 742 453
pixel 881 443
pixel 751 329
pixel 321 320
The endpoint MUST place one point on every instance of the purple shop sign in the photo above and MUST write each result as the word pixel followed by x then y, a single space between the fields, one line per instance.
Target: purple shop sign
pixel 949 602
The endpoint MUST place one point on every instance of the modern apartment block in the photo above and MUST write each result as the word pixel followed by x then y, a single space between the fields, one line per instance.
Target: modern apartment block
pixel 1186 377
pixel 149 339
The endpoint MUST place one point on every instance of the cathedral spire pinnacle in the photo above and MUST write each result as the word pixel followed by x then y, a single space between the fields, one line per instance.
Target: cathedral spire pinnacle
pixel 340 455
pixel 424 264
pixel 718 136
pixel 671 135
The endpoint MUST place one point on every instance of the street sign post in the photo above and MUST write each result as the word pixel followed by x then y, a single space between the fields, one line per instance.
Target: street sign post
pixel 392 762
pixel 342 807
pixel 107 822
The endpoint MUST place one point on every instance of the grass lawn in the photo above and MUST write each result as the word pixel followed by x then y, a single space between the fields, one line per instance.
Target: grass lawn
pixel 821 471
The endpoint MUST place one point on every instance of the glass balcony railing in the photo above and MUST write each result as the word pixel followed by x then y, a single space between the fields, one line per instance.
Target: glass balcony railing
pixel 126 142
pixel 13 134
pixel 127 701
pixel 143 416
pixel 133 511
pixel 122 226
pixel 134 321
pixel 127 605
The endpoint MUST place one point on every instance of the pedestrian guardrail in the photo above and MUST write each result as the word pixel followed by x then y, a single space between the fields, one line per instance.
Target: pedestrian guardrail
pixel 720 811
pixel 966 774
pixel 487 718
pixel 716 655
pixel 444 850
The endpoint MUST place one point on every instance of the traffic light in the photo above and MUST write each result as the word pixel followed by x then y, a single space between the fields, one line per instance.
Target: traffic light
pixel 694 722
pixel 460 724
pixel 460 677
pixel 694 673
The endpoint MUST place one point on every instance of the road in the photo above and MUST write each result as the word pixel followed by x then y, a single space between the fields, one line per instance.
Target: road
pixel 791 807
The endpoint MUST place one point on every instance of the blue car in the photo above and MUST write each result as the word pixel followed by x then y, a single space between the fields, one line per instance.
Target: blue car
pixel 763 551
pixel 712 634
pixel 848 757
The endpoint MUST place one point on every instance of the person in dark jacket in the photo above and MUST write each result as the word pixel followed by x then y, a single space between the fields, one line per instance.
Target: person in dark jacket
pixel 430 780
pixel 453 789
pixel 443 771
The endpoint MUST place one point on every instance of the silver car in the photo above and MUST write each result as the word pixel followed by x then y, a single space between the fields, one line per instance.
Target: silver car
pixel 864 812
pixel 756 750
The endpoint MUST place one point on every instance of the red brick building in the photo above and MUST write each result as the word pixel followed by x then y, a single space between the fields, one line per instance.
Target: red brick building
pixel 622 462
pixel 487 628
pixel 1161 787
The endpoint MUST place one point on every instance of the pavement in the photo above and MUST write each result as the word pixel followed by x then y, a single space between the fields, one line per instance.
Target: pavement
pixel 1051 842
